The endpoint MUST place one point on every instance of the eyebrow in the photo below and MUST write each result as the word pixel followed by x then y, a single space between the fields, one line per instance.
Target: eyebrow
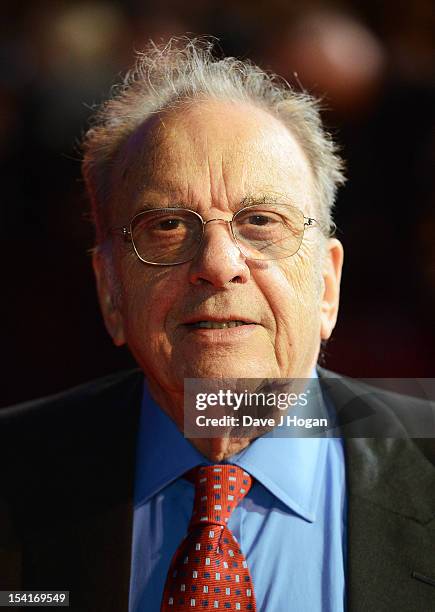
pixel 265 200
pixel 249 200
pixel 150 206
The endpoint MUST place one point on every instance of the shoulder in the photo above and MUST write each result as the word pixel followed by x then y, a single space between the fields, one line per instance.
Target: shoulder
pixel 367 411
pixel 85 400
pixel 73 446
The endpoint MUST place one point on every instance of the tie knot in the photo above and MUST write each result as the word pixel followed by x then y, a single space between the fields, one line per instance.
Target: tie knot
pixel 218 490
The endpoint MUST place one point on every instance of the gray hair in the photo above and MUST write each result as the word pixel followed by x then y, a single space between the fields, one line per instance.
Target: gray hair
pixel 185 70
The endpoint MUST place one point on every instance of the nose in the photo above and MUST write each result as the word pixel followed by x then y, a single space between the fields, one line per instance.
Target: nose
pixel 219 260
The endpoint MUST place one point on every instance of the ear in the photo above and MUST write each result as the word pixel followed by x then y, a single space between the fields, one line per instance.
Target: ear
pixel 331 287
pixel 111 313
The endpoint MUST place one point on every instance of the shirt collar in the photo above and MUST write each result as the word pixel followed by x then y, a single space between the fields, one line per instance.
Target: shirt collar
pixel 163 453
pixel 290 468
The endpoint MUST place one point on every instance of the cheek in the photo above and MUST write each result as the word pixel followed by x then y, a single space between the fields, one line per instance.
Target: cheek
pixel 147 297
pixel 291 290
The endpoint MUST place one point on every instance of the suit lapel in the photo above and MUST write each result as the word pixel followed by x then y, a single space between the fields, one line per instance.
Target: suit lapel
pixel 107 537
pixel 106 550
pixel 391 526
pixel 89 557
pixel 391 512
pixel 78 536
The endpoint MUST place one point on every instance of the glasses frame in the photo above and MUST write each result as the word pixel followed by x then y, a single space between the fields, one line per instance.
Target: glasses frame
pixel 126 232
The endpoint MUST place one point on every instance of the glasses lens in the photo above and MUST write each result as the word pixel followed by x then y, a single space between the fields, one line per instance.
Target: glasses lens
pixel 269 233
pixel 166 236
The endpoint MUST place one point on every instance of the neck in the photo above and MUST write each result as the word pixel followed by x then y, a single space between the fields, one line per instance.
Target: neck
pixel 215 449
pixel 220 449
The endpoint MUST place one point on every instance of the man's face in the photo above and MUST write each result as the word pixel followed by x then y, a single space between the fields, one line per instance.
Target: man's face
pixel 211 158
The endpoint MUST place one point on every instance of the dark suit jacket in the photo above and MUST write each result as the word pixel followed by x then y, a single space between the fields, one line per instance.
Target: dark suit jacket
pixel 66 476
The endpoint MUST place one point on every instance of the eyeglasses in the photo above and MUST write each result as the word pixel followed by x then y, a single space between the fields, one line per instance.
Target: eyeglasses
pixel 172 236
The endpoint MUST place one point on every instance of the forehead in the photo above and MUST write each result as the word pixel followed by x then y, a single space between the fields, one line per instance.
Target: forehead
pixel 212 154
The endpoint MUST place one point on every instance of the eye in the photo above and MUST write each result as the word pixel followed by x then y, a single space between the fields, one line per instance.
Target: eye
pixel 168 224
pixel 162 223
pixel 259 220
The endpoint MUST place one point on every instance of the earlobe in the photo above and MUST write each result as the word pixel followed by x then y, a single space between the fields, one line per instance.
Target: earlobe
pixel 331 289
pixel 109 308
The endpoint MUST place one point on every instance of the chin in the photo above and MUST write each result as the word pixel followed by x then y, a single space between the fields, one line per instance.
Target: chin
pixel 230 368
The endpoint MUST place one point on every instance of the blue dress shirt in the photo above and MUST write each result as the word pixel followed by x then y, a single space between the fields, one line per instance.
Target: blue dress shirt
pixel 291 525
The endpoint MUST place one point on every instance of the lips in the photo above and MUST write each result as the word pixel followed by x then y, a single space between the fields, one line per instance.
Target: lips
pixel 215 324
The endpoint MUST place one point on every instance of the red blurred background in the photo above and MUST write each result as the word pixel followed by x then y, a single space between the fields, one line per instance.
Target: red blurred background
pixel 373 65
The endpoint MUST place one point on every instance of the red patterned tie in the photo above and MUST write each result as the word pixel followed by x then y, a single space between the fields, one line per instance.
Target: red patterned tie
pixel 208 570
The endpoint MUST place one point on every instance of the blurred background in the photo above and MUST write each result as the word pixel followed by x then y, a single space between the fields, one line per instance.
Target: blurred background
pixel 373 65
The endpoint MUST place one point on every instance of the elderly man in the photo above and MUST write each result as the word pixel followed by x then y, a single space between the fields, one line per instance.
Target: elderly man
pixel 212 186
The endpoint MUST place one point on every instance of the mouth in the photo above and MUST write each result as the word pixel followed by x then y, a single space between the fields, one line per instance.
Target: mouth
pixel 215 330
pixel 207 324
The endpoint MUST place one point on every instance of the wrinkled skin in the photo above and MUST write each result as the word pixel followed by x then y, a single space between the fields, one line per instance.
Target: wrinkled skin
pixel 210 157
